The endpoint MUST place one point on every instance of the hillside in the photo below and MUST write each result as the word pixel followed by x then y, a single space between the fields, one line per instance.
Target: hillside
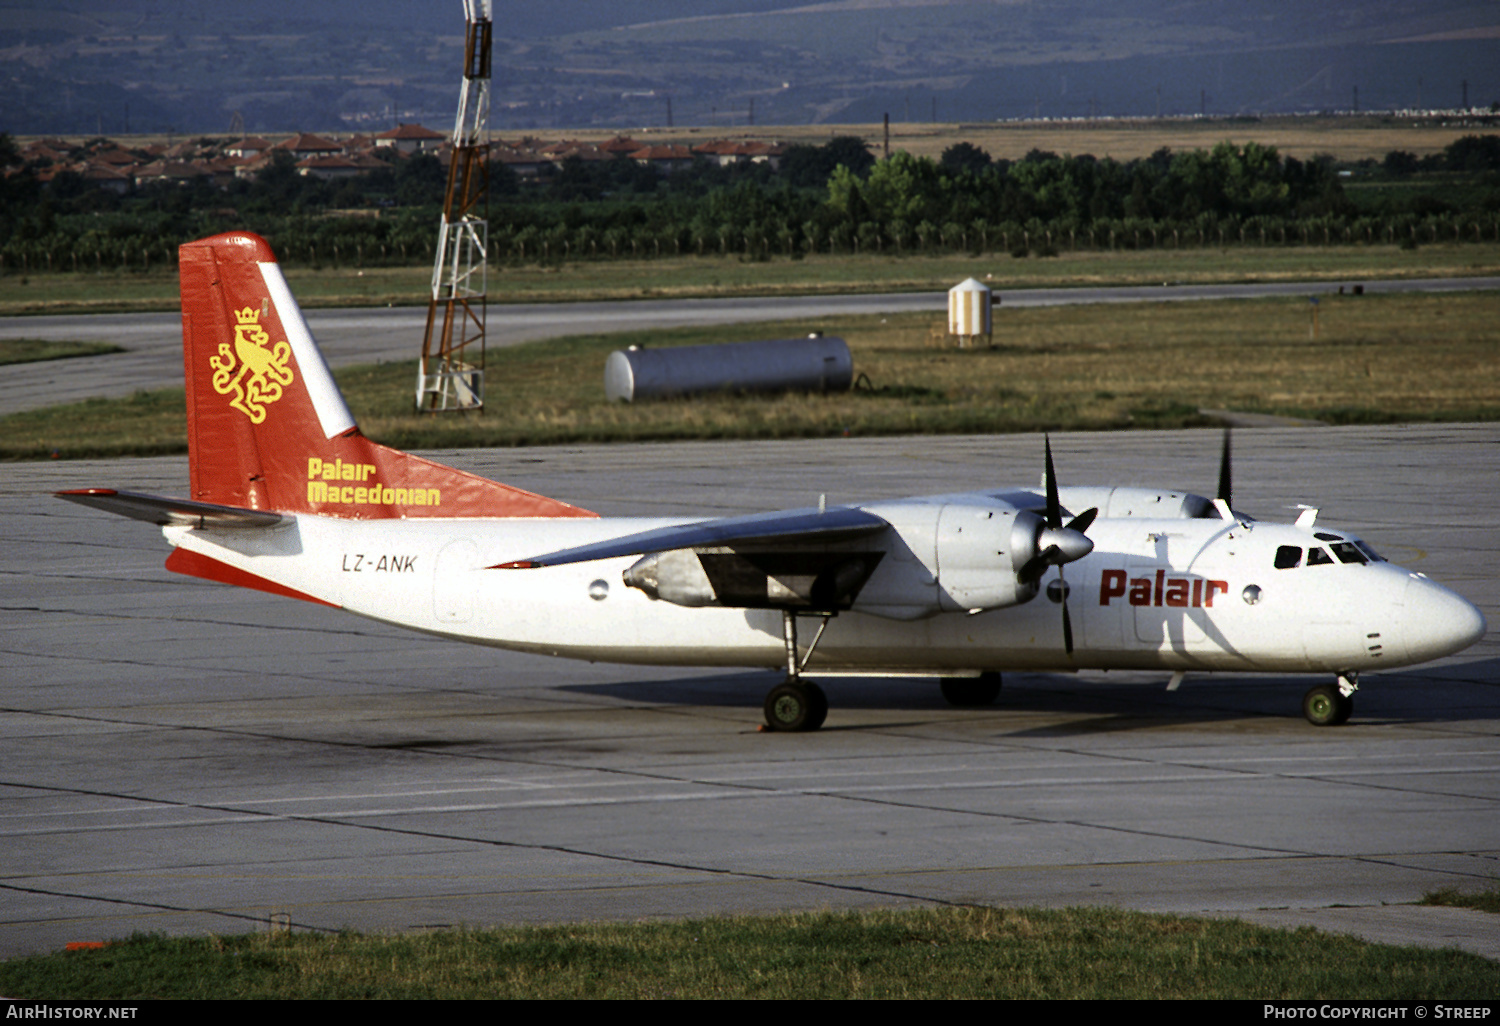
pixel 112 67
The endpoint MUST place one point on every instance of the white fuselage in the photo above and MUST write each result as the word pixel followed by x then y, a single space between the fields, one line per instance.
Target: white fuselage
pixel 1167 593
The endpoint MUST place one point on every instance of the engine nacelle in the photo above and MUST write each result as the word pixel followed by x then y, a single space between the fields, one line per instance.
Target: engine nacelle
pixel 979 553
pixel 936 558
pixel 676 576
pixel 951 557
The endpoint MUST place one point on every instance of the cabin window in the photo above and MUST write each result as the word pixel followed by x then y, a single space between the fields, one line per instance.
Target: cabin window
pixel 1288 556
pixel 1317 557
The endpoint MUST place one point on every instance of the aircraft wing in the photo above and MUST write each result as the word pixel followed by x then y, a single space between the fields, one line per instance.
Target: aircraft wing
pixel 782 527
pixel 156 509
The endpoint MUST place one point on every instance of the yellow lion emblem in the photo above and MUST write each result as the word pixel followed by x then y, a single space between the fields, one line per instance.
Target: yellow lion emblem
pixel 254 373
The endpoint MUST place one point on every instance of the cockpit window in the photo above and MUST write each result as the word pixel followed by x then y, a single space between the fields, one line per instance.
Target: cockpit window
pixel 1348 552
pixel 1317 557
pixel 1288 556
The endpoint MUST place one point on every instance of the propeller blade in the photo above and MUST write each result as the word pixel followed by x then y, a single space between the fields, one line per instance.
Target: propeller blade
pixel 1054 509
pixel 1224 475
pixel 1059 545
pixel 1083 521
pixel 1067 626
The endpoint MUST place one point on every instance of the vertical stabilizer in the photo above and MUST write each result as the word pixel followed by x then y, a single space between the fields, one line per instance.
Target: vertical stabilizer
pixel 267 426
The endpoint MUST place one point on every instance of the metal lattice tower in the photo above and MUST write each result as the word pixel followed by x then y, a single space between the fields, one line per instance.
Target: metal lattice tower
pixel 451 374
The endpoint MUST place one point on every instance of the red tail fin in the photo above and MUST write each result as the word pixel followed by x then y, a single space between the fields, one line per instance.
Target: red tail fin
pixel 267 426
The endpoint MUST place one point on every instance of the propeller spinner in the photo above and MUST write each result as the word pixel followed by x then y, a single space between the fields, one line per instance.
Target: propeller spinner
pixel 1057 545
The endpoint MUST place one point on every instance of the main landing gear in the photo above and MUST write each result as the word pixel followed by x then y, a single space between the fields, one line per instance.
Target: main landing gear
pixel 797 704
pixel 1329 705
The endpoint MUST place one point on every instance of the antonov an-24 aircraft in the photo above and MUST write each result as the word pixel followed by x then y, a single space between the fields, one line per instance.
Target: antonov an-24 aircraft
pixel 289 497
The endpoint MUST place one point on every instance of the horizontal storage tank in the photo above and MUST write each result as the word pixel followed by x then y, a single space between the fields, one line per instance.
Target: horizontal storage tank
pixel 812 364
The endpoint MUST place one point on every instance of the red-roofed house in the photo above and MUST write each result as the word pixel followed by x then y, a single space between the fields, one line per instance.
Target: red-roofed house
pixel 106 177
pixel 177 171
pixel 332 166
pixel 250 146
pixel 620 146
pixel 665 158
pixel 305 144
pixel 411 138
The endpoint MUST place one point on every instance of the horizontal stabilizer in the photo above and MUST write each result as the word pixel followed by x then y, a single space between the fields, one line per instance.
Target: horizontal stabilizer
pixel 156 509
pixel 784 527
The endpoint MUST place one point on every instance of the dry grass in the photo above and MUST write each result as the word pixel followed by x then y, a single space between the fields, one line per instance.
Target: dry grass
pixel 1376 359
pixel 1412 357
pixel 1346 138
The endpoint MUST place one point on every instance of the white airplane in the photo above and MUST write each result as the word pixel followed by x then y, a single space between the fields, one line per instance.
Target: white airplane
pixel 289 497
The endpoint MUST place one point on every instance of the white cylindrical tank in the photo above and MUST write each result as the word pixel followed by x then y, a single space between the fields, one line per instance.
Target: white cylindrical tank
pixel 969 309
pixel 813 364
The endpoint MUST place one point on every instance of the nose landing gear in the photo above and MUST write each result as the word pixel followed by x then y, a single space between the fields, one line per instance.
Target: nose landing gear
pixel 1329 705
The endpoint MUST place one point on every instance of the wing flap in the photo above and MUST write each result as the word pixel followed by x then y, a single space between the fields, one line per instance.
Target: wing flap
pixel 792 526
pixel 162 511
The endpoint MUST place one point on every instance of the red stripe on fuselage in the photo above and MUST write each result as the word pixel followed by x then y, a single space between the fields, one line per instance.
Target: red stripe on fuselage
pixel 196 564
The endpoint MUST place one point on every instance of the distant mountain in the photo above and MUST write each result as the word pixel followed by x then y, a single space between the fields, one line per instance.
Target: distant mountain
pixel 112 66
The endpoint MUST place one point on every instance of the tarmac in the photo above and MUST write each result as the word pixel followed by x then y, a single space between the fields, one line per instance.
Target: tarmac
pixel 186 757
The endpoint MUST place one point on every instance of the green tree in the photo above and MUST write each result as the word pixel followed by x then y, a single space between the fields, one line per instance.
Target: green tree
pixel 965 156
pixel 904 187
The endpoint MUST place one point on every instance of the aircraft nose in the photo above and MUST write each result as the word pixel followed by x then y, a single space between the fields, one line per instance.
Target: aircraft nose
pixel 1438 622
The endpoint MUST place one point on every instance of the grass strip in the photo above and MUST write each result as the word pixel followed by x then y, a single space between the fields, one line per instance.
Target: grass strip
pixel 716 276
pixel 1375 359
pixel 1487 900
pixel 937 953
pixel 33 350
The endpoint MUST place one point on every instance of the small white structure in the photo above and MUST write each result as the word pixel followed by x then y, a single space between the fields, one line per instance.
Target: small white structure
pixel 969 311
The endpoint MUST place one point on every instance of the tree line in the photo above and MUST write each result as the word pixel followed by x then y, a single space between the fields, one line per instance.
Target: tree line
pixel 829 199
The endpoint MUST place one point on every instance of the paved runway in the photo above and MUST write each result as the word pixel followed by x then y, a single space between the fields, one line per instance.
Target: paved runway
pixel 370 335
pixel 186 757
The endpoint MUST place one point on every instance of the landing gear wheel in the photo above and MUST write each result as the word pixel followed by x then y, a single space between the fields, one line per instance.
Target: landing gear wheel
pixel 820 706
pixel 1345 710
pixel 1326 706
pixel 796 707
pixel 971 692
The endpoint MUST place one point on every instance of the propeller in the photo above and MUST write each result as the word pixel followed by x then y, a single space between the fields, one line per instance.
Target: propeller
pixel 1057 545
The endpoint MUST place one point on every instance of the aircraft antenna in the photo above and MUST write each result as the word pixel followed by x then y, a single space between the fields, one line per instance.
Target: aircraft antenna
pixel 451 373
